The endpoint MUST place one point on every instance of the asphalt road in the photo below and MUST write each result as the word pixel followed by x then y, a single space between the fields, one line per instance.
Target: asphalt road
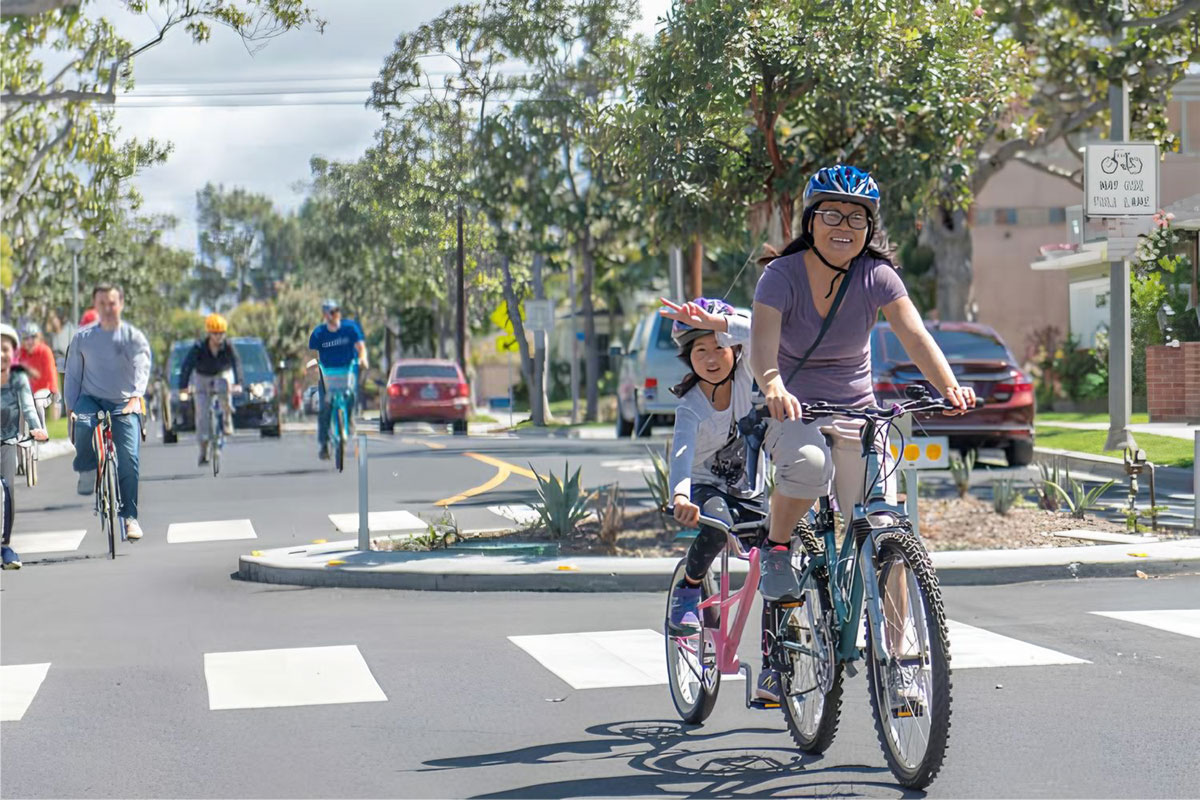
pixel 158 683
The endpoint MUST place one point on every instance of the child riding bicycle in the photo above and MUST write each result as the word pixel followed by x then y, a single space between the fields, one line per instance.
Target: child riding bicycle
pixel 708 455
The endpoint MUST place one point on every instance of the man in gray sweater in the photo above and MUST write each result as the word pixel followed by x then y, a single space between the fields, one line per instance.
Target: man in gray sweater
pixel 108 367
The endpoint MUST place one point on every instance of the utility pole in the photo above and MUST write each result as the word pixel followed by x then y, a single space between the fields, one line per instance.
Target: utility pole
pixel 574 345
pixel 1120 384
pixel 696 278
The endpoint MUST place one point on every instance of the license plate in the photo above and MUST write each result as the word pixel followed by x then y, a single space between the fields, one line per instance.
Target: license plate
pixel 429 393
pixel 922 452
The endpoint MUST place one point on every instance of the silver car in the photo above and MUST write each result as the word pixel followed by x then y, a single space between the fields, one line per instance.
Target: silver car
pixel 649 367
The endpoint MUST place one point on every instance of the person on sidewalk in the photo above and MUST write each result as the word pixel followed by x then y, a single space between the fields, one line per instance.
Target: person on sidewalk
pixel 38 359
pixel 708 457
pixel 338 343
pixel 215 361
pixel 108 367
pixel 16 402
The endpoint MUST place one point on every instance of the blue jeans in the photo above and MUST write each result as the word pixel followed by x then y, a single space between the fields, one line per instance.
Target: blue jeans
pixel 127 436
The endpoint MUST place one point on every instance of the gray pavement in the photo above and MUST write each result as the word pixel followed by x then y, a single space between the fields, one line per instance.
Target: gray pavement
pixel 151 667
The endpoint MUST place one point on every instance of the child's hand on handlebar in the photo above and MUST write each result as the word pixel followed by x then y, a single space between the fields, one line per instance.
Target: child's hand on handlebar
pixel 780 402
pixel 686 512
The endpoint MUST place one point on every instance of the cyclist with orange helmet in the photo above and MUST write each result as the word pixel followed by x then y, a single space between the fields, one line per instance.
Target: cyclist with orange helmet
pixel 218 370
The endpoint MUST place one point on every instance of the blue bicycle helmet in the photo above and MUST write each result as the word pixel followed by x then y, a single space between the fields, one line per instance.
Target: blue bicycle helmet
pixel 844 183
pixel 682 333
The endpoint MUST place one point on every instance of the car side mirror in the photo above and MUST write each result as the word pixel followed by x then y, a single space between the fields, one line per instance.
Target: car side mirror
pixel 615 351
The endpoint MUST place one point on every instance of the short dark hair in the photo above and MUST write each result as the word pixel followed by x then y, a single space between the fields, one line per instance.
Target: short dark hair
pixel 104 288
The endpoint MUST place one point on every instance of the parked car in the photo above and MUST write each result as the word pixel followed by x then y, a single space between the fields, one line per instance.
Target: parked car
pixel 256 406
pixel 311 401
pixel 426 390
pixel 980 359
pixel 649 367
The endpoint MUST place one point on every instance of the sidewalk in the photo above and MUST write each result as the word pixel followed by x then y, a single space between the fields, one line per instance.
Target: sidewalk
pixel 342 564
pixel 1175 430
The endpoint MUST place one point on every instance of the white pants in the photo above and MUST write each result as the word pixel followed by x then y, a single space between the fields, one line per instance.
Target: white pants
pixel 205 386
pixel 805 467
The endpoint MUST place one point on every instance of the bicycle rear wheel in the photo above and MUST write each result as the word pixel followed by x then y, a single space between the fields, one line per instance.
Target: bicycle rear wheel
pixel 692 670
pixel 909 682
pixel 215 433
pixel 107 492
pixel 812 678
pixel 339 452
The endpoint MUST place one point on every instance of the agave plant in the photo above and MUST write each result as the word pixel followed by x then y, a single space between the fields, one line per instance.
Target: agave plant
pixel 659 483
pixel 960 471
pixel 1081 498
pixel 561 503
pixel 1004 494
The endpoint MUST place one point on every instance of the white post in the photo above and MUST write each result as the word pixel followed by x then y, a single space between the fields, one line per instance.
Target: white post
pixel 510 390
pixel 364 533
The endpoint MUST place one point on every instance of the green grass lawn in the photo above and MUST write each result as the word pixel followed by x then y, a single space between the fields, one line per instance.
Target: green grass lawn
pixel 1164 451
pixel 57 428
pixel 481 418
pixel 1076 416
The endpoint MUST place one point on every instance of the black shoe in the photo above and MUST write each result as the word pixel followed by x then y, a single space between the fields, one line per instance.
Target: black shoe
pixel 323 454
pixel 203 457
pixel 779 580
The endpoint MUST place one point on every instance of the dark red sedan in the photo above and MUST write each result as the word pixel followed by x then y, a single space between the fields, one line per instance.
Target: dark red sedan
pixel 426 390
pixel 980 359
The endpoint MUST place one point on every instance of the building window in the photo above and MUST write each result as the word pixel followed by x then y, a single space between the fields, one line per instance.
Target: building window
pixel 1057 216
pixel 1006 216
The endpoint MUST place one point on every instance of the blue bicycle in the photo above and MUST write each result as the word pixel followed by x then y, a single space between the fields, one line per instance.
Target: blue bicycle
pixel 340 385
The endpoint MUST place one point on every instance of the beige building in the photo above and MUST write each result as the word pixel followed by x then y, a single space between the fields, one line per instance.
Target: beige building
pixel 1023 209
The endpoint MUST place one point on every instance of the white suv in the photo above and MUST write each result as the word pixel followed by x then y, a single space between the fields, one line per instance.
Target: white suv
pixel 649 367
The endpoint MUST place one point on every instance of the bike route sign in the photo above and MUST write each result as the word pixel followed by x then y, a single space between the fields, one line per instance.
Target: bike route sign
pixel 1121 179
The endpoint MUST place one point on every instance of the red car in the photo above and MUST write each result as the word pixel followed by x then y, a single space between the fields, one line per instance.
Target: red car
pixel 426 390
pixel 979 358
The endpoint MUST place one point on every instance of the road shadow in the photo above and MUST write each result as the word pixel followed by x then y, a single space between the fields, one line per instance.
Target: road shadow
pixel 670 758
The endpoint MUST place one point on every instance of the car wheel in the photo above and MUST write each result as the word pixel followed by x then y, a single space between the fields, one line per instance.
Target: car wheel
pixel 1019 452
pixel 460 427
pixel 385 424
pixel 624 426
pixel 269 431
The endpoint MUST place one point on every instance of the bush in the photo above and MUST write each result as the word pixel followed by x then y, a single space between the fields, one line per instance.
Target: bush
pixel 561 503
pixel 1004 495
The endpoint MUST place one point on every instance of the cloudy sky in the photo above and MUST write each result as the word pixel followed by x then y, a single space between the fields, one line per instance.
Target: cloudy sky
pixel 255 120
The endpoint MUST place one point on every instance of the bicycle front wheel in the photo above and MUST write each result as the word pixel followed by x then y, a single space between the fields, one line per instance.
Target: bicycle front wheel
pixel 107 492
pixel 692 671
pixel 812 678
pixel 31 466
pixel 910 680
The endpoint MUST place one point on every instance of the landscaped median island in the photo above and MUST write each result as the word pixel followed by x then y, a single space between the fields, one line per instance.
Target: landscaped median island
pixel 1162 451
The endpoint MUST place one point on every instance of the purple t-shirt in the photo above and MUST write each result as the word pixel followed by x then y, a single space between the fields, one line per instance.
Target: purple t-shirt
pixel 839 370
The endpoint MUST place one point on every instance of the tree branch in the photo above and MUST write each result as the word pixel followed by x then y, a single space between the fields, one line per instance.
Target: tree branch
pixel 991 164
pixel 1074 176
pixel 1170 18
pixel 34 169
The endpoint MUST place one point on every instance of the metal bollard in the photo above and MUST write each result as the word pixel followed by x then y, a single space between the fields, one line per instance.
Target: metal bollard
pixel 364 532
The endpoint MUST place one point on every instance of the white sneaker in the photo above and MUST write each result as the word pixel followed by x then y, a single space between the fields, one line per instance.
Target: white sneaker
pixel 87 482
pixel 133 531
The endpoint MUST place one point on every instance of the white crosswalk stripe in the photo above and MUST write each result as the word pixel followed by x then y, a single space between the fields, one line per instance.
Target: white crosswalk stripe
pixel 215 531
pixel 302 676
pixel 1185 621
pixel 19 684
pixel 379 522
pixel 47 542
pixel 972 648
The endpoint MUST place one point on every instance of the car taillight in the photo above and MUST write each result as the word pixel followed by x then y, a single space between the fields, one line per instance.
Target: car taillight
pixel 888 388
pixel 1017 384
pixel 651 383
pixel 462 390
pixel 394 390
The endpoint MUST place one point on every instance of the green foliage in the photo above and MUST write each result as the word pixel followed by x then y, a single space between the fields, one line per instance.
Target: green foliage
pixel 1080 499
pixel 960 471
pixel 659 481
pixel 1064 369
pixel 1004 494
pixel 1047 488
pixel 561 504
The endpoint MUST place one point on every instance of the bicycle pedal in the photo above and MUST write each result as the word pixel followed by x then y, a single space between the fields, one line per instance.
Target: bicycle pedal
pixel 762 705
pixel 909 712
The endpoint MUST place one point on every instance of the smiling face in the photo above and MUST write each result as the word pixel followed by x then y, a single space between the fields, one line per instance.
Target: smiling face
pixel 840 230
pixel 710 361
pixel 6 353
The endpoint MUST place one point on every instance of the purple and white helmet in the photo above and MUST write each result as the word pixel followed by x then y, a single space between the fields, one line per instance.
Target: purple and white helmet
pixel 682 333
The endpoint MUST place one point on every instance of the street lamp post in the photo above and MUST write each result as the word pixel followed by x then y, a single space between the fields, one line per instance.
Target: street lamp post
pixel 75 244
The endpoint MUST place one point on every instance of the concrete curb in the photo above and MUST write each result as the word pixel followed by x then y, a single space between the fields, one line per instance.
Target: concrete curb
pixel 311 565
pixel 1102 466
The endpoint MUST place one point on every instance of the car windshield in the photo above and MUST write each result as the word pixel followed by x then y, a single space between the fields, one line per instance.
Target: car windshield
pixel 253 356
pixel 956 345
pixel 664 341
pixel 440 371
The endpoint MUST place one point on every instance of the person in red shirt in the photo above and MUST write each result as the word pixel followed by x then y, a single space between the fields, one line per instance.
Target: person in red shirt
pixel 38 359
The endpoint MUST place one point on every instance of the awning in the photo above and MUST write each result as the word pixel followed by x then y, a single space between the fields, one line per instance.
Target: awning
pixel 1091 254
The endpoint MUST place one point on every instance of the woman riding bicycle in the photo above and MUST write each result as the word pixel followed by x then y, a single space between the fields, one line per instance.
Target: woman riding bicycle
pixel 214 360
pixel 837 260
pixel 17 402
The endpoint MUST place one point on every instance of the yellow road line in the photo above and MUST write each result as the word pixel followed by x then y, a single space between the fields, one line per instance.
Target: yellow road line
pixel 430 445
pixel 500 477
pixel 495 462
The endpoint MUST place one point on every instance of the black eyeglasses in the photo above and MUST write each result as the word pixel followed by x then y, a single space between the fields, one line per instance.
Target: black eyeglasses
pixel 856 220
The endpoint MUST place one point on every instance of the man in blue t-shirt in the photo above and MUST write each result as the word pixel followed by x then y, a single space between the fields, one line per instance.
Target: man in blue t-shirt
pixel 338 343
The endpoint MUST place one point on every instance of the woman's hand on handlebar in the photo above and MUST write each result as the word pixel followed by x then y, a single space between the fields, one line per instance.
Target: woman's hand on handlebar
pixel 961 397
pixel 39 435
pixel 780 402
pixel 686 512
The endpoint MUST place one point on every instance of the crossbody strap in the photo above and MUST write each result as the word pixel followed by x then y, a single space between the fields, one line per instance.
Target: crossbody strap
pixel 837 301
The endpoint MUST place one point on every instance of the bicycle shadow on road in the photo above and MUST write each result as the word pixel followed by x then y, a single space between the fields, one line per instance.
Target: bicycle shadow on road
pixel 671 758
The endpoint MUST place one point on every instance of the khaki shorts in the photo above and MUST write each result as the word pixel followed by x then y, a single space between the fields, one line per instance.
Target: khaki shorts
pixel 805 468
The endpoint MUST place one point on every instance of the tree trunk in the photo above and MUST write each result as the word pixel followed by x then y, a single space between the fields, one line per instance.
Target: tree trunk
pixel 514 315
pixel 949 236
pixel 541 407
pixel 696 274
pixel 592 353
pixel 460 304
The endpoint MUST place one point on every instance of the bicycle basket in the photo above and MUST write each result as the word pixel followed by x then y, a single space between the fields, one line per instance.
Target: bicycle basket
pixel 340 380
